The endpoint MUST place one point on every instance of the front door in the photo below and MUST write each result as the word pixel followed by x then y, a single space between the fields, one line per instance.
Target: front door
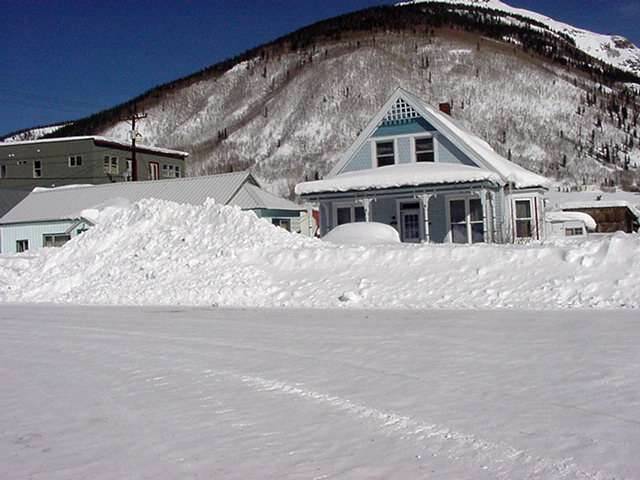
pixel 410 225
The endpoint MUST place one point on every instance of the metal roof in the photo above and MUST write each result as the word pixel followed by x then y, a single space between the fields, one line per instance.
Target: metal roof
pixel 251 197
pixel 68 202
pixel 9 198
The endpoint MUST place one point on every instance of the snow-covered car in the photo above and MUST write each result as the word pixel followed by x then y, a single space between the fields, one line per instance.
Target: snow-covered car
pixel 363 233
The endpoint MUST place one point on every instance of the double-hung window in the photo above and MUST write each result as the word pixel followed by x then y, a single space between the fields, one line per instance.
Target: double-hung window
pixel 524 219
pixel 466 217
pixel 424 148
pixel 110 165
pixel 350 214
pixel 75 161
pixel 385 153
pixel 37 168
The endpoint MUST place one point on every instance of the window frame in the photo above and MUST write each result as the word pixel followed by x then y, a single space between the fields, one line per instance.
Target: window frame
pixel 37 171
pixel 530 219
pixel 282 223
pixel 55 236
pixel 415 151
pixel 74 161
pixel 468 222
pixel 22 245
pixel 352 213
pixel 374 150
pixel 108 165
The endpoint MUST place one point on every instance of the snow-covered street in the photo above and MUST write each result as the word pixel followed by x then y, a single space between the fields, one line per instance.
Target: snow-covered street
pixel 111 392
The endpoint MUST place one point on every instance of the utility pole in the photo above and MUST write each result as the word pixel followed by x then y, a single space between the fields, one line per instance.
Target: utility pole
pixel 134 134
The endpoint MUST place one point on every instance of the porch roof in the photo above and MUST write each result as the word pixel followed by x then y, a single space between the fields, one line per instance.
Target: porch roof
pixel 397 176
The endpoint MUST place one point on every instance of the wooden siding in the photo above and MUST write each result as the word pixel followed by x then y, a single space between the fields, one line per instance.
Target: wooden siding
pixel 610 219
pixel 449 153
pixel 418 125
pixel 361 160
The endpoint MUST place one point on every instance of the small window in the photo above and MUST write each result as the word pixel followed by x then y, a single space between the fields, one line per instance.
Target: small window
pixel 524 219
pixel 75 161
pixel 55 239
pixel 282 223
pixel 178 173
pixel 424 149
pixel 22 246
pixel 37 169
pixel 385 153
pixel 21 162
pixel 573 232
pixel 3 171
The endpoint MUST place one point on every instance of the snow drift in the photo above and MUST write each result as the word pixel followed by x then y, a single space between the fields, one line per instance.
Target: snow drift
pixel 156 252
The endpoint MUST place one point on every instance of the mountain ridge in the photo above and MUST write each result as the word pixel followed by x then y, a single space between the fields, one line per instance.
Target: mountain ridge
pixel 289 107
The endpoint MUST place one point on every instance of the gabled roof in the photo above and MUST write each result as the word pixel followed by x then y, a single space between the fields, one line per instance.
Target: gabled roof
pixel 9 198
pixel 67 203
pixel 398 176
pixel 100 141
pixel 474 147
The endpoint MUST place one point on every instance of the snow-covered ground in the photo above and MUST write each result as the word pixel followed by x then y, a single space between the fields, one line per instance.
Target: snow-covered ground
pixel 162 253
pixel 163 393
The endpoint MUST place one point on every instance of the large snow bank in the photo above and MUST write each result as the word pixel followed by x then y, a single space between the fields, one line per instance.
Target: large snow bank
pixel 363 233
pixel 157 252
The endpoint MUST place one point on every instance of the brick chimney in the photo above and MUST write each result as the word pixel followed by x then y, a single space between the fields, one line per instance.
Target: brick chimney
pixel 445 108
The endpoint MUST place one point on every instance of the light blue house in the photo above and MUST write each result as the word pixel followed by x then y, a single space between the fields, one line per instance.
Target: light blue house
pixel 52 217
pixel 413 167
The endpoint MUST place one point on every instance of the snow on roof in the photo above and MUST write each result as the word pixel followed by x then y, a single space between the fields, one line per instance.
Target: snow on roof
pixel 251 196
pixel 96 138
pixel 585 218
pixel 10 197
pixel 478 148
pixel 68 203
pixel 395 176
pixel 601 204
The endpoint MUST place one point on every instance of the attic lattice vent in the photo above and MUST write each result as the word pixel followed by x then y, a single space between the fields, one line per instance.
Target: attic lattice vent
pixel 400 112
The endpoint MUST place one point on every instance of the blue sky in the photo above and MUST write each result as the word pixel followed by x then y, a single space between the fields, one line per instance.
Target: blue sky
pixel 65 59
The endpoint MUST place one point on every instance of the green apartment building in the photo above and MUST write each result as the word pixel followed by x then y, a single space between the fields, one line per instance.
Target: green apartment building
pixel 94 160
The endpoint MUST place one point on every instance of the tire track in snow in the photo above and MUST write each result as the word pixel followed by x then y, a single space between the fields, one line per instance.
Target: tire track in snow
pixel 499 458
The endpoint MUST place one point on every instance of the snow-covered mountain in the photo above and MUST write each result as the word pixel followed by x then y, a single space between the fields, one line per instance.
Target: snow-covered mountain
pixel 612 49
pixel 288 109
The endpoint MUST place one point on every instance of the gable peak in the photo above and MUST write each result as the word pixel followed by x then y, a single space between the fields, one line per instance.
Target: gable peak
pixel 401 111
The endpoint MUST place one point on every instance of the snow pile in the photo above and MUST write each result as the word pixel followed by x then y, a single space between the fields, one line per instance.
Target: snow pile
pixel 585 218
pixel 371 233
pixel 157 252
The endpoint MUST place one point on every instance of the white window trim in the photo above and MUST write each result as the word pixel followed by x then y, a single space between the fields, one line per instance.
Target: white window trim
pixel 351 205
pixel 532 219
pixel 399 203
pixel 34 169
pixel 374 152
pixel 414 157
pixel 75 161
pixel 466 198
